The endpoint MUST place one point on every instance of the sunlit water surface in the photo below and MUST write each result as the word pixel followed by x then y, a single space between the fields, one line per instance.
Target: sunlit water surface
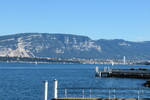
pixel 24 81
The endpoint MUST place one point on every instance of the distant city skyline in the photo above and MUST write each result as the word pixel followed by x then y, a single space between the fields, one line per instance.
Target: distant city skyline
pixel 97 19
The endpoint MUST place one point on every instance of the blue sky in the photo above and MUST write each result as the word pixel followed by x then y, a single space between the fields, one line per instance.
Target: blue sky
pixel 98 19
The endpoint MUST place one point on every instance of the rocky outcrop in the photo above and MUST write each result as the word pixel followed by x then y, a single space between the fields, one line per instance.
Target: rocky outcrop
pixel 147 84
pixel 47 45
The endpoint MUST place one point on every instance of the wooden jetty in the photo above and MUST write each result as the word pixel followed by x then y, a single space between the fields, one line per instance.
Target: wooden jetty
pixel 125 73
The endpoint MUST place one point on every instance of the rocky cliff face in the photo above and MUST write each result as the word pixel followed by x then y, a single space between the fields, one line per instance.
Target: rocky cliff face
pixel 69 46
pixel 46 45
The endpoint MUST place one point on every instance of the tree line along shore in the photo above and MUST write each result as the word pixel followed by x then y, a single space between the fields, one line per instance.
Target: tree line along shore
pixel 71 60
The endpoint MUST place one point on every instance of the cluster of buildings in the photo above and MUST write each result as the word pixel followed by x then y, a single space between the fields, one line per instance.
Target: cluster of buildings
pixel 104 61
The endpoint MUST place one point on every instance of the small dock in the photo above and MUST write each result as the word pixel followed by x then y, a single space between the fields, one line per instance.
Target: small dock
pixel 124 73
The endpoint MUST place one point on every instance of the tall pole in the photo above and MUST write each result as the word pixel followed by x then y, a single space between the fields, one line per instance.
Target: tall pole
pixel 124 60
pixel 45 90
pixel 55 89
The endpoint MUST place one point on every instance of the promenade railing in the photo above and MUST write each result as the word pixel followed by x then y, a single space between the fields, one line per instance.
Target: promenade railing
pixel 90 92
pixel 104 92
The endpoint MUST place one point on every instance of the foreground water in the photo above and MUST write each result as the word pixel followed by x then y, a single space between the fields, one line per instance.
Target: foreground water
pixel 24 81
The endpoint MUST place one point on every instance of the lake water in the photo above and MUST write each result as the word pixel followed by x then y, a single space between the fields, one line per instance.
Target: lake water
pixel 24 81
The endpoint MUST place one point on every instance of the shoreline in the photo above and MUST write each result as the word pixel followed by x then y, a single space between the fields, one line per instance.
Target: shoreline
pixel 71 61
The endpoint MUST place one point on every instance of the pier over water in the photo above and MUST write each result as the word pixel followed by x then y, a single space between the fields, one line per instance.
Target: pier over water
pixel 125 73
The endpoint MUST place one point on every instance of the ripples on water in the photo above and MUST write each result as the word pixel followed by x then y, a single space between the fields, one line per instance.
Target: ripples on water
pixel 24 81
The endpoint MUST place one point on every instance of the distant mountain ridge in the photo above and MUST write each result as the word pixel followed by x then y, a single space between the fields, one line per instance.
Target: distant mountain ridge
pixel 71 46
